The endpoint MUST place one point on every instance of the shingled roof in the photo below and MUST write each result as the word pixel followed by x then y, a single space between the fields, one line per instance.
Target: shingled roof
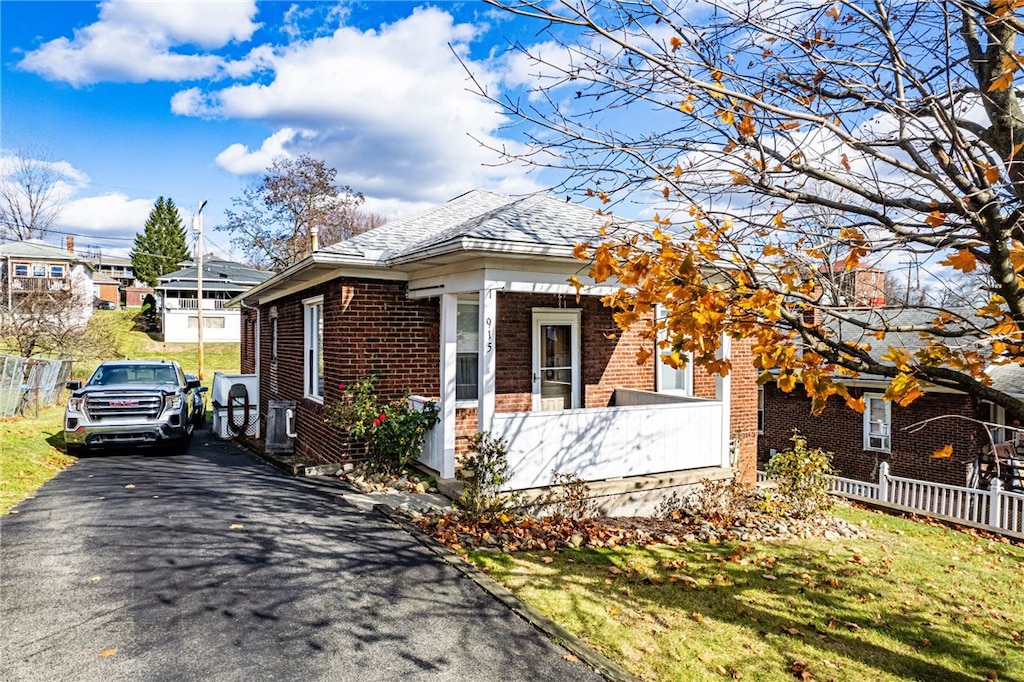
pixel 477 218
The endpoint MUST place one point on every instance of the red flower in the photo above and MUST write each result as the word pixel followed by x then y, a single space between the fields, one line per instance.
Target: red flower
pixel 341 386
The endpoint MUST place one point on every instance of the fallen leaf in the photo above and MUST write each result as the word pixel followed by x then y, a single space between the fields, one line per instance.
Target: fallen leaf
pixel 107 653
pixel 793 631
pixel 130 486
pixel 235 526
pixel 769 576
pixel 548 559
pixel 697 617
pixel 706 657
pixel 571 658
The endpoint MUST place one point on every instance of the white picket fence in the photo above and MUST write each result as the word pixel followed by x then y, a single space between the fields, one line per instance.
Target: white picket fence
pixel 993 509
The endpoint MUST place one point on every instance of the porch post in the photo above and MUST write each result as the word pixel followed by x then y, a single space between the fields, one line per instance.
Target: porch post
pixel 723 394
pixel 449 310
pixel 485 401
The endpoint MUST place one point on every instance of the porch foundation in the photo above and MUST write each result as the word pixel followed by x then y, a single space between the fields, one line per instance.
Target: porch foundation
pixel 630 496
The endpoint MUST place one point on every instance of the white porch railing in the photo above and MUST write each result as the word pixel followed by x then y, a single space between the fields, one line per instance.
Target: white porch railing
pixel 611 442
pixel 433 443
pixel 993 509
pixel 192 304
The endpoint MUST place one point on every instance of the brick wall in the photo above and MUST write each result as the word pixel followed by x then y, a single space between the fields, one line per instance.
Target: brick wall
pixel 370 327
pixel 743 408
pixel 607 363
pixel 840 430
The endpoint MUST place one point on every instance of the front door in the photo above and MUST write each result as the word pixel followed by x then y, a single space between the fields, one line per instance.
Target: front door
pixel 556 359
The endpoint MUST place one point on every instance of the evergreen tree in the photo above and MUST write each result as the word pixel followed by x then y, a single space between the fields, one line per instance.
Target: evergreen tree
pixel 161 245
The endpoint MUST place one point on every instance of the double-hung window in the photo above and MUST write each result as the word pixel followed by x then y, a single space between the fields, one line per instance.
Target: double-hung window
pixel 21 270
pixel 313 316
pixel 877 424
pixel 669 379
pixel 467 350
pixel 56 272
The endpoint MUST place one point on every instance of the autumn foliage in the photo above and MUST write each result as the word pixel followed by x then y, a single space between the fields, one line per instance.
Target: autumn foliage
pixel 782 148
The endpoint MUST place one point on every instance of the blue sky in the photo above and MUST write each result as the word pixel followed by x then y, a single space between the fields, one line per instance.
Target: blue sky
pixel 191 101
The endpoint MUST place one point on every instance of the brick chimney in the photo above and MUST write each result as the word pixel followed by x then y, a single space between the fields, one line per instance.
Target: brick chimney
pixel 69 243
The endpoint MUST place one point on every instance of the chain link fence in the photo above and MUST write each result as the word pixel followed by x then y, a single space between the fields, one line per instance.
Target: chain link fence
pixel 27 383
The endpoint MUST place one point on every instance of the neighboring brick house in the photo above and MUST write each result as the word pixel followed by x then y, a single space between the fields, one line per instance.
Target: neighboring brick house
pixel 884 432
pixel 468 303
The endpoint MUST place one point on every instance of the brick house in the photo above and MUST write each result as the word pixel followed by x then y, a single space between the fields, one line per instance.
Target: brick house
pixel 468 303
pixel 886 432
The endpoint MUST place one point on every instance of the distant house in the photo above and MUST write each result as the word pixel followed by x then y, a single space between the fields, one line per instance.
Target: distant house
pixel 222 280
pixel 33 267
pixel 468 303
pixel 117 268
pixel 887 432
pixel 106 288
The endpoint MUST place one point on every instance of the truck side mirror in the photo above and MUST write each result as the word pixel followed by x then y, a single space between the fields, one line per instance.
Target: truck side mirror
pixel 73 385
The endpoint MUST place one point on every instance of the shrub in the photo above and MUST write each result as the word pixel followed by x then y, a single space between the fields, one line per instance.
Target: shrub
pixel 800 475
pixel 485 471
pixel 570 498
pixel 393 430
pixel 719 501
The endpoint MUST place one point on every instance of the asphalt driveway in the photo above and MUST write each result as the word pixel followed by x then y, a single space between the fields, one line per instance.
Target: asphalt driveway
pixel 214 566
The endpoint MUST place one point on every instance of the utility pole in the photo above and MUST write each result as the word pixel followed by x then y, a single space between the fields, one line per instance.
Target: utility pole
pixel 199 282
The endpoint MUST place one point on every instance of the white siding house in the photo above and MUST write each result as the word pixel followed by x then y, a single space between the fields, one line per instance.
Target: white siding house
pixel 222 281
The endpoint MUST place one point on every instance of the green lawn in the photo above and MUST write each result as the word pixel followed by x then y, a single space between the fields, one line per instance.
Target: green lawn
pixel 30 454
pixel 31 449
pixel 136 344
pixel 913 602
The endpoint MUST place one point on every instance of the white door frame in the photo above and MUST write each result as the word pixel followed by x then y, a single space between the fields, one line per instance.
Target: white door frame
pixel 557 316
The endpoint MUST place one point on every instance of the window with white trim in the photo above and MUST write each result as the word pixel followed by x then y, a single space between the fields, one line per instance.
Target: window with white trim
pixel 467 350
pixel 21 270
pixel 313 317
pixel 56 272
pixel 877 423
pixel 39 269
pixel 669 379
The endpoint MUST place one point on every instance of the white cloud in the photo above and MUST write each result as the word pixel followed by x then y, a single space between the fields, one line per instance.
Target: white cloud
pixel 133 41
pixel 113 214
pixel 391 109
pixel 238 159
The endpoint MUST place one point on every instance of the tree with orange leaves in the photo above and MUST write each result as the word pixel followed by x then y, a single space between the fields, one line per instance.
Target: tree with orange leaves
pixel 782 147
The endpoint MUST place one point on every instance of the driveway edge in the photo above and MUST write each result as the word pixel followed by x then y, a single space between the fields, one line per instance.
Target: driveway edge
pixel 577 647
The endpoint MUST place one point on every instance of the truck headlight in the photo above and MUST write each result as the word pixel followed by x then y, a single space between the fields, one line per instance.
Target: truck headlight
pixel 75 404
pixel 172 402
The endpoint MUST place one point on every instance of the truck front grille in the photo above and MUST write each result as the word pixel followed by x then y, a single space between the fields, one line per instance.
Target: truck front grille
pixel 122 404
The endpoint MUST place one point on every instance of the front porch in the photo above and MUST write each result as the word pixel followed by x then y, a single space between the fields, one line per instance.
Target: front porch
pixel 643 434
pixel 524 358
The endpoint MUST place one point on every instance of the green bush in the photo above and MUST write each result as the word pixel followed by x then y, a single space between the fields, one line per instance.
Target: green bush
pixel 800 476
pixel 392 430
pixel 485 471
